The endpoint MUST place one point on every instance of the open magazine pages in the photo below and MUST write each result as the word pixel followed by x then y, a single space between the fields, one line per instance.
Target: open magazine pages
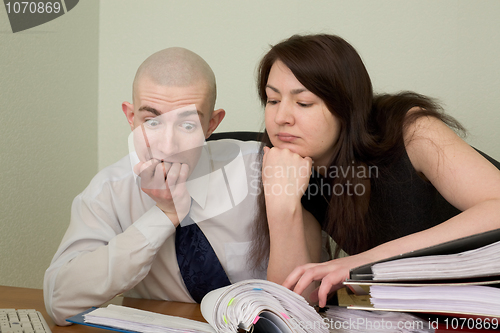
pixel 262 306
pixel 253 305
pixel 121 318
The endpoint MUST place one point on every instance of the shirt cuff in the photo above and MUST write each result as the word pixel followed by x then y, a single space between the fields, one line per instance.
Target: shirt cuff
pixel 155 226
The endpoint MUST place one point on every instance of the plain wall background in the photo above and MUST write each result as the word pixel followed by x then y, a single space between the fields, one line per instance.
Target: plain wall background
pixel 63 83
pixel 447 49
pixel 48 126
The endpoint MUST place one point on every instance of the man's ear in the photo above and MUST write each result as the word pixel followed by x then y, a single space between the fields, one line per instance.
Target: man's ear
pixel 215 120
pixel 128 109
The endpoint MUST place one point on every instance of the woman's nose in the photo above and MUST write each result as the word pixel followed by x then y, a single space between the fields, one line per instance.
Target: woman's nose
pixel 284 114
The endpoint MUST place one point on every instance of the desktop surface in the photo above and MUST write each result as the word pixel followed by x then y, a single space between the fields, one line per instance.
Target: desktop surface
pixel 26 298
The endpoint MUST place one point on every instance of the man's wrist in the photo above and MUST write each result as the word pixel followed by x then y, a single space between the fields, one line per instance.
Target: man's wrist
pixel 173 216
pixel 156 226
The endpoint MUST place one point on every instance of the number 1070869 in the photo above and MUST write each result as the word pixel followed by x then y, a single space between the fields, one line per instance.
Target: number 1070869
pixel 33 7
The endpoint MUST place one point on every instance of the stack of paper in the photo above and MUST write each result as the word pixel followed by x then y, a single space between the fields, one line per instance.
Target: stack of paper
pixel 478 262
pixel 461 276
pixel 474 300
pixel 130 319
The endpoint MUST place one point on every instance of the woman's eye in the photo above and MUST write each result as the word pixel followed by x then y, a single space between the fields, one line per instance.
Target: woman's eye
pixel 188 126
pixel 305 105
pixel 272 101
pixel 152 123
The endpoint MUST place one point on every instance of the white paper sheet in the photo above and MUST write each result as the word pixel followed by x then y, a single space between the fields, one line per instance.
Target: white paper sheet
pixel 144 321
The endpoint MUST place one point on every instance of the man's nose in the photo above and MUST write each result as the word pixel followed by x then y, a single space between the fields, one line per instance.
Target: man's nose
pixel 169 143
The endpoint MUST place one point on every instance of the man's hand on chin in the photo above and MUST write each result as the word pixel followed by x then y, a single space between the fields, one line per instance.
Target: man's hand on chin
pixel 165 183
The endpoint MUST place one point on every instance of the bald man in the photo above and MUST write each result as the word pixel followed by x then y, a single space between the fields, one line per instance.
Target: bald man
pixel 124 225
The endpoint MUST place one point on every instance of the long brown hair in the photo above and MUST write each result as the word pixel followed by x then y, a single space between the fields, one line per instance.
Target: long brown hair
pixel 371 128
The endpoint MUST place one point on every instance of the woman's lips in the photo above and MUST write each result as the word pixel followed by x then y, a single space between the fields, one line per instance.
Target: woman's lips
pixel 286 137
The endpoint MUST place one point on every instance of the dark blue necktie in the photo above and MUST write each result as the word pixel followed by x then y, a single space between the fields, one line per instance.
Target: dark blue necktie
pixel 200 268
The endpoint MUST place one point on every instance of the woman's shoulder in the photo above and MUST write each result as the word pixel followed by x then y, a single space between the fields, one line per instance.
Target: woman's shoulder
pixel 426 138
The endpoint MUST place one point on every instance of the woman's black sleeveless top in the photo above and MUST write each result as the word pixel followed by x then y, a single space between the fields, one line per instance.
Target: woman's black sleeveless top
pixel 401 202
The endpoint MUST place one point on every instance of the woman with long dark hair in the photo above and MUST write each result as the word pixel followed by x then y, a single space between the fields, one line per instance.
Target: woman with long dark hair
pixel 390 174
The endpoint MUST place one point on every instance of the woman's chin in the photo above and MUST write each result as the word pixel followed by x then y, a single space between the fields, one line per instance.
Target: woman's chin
pixel 291 147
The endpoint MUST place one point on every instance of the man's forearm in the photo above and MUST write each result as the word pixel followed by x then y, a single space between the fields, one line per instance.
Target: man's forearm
pixel 93 278
pixel 89 272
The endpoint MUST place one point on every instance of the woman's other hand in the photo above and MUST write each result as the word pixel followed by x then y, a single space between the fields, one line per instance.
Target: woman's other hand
pixel 331 274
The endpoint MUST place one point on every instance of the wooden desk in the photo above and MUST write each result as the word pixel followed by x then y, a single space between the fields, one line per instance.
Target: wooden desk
pixel 25 298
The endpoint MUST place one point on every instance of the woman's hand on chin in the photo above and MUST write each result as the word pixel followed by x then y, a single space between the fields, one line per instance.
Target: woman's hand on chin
pixel 285 175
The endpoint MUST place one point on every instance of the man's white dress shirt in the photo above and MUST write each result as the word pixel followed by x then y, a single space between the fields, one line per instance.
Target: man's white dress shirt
pixel 119 241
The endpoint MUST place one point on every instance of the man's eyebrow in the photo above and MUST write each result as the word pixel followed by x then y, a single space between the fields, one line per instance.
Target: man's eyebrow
pixel 150 109
pixel 157 113
pixel 293 91
pixel 188 113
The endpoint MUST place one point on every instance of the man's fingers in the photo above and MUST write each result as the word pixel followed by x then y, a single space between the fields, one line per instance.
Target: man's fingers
pixel 145 169
pixel 166 169
pixel 147 172
pixel 173 174
pixel 138 168
pixel 158 180
pixel 183 174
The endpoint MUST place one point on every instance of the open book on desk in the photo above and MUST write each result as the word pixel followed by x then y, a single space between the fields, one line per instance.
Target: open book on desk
pixel 457 277
pixel 251 305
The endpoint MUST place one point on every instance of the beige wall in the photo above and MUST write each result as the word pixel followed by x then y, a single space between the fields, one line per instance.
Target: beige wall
pixel 447 49
pixel 62 84
pixel 48 126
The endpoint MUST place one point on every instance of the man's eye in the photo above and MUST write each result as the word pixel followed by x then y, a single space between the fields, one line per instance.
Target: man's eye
pixel 152 123
pixel 272 101
pixel 188 126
